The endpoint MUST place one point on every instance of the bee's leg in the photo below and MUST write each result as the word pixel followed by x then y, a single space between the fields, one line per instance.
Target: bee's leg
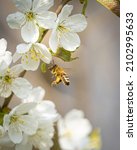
pixel 53 83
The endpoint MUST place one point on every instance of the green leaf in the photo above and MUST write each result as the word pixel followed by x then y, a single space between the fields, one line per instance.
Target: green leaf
pixel 64 55
pixel 43 67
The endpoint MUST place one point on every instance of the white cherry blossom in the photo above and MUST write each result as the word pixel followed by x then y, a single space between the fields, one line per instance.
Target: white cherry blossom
pixel 5 56
pixel 41 140
pixel 64 34
pixel 19 122
pixel 74 130
pixel 11 82
pixel 31 54
pixel 46 115
pixel 33 14
pixel 35 95
pixel 45 110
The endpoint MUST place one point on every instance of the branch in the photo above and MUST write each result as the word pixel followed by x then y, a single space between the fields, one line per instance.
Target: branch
pixel 7 100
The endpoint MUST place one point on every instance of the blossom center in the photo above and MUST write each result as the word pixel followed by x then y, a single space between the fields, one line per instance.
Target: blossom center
pixel 15 119
pixel 7 79
pixel 62 28
pixel 34 55
pixel 30 16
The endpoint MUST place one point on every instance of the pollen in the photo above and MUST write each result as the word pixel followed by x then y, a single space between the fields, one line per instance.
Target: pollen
pixel 30 16
pixel 7 79
pixel 62 28
pixel 34 55
pixel 15 119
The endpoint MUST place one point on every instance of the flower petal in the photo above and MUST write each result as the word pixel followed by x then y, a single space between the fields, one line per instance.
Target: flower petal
pixel 7 58
pixel 45 54
pixel 15 134
pixel 6 122
pixel 21 87
pixel 76 23
pixel 53 41
pixel 3 46
pixel 16 57
pixel 42 5
pixel 30 63
pixel 65 12
pixel 73 114
pixel 30 32
pixel 16 70
pixel 16 20
pixel 30 125
pixel 70 41
pixel 36 95
pixel 46 19
pixel 23 48
pixel 5 90
pixel 23 108
pixel 23 5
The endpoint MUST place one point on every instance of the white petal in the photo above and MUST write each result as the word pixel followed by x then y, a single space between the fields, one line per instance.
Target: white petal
pixel 3 46
pixel 46 19
pixel 21 87
pixel 45 112
pixel 65 12
pixel 36 95
pixel 30 32
pixel 30 63
pixel 8 57
pixel 15 134
pixel 16 20
pixel 42 5
pixel 66 144
pixel 23 48
pixel 5 90
pixel 74 114
pixel 23 5
pixel 30 125
pixel 16 57
pixel 3 65
pixel 80 128
pixel 45 54
pixel 53 41
pixel 16 70
pixel 76 23
pixel 6 122
pixel 23 108
pixel 70 41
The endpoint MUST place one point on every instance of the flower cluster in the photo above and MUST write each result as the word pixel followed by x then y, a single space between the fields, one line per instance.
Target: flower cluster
pixel 33 17
pixel 31 123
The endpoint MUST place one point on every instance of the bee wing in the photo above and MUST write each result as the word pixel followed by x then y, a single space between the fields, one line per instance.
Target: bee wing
pixel 65 79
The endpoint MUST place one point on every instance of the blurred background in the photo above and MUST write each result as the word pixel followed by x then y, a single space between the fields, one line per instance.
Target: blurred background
pixel 94 76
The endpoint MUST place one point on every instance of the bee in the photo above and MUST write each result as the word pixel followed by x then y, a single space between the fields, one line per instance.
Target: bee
pixel 60 75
